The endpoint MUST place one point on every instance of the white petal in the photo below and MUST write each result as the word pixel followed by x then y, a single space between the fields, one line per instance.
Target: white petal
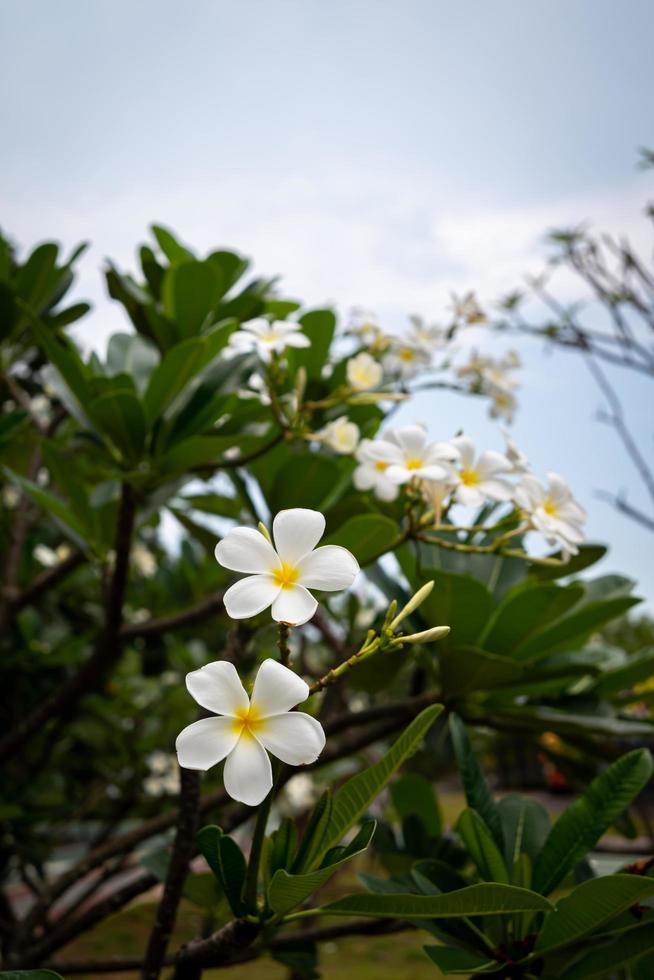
pixel 469 496
pixel 248 773
pixel 385 490
pixel 277 689
pixel 497 489
pixel 294 606
pixel 297 340
pixel 398 474
pixel 432 471
pixel 383 451
pixel 491 462
pixel 246 550
pixel 466 448
pixel 364 477
pixel 294 737
pixel 250 596
pixel 218 687
pixel 297 532
pixel 328 568
pixel 205 743
pixel 412 439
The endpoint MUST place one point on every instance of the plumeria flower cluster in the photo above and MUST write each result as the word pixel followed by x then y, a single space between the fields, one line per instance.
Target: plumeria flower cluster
pixel 492 377
pixel 246 729
pixel 454 472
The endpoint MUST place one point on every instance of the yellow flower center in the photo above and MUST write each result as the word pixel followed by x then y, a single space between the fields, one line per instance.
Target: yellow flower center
pixel 247 722
pixel 286 575
pixel 469 477
pixel 549 507
pixel 405 354
pixel 382 467
pixel 415 463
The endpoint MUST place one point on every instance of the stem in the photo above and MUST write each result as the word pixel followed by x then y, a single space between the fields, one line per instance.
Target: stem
pixel 252 876
pixel 282 643
pixel 183 850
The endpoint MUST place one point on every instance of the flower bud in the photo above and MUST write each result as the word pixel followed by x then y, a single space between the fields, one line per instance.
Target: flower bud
pixel 264 530
pixel 412 604
pixel 426 636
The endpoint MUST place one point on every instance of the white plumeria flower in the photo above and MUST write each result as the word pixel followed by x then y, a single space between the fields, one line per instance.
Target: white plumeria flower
pixel 405 360
pixel 518 460
pixel 268 337
pixel 552 510
pixel 426 336
pixel 370 474
pixel 364 372
pixel 436 493
pixel 281 576
pixel 249 728
pixel 482 479
pixel 341 435
pixel 503 405
pixel 409 455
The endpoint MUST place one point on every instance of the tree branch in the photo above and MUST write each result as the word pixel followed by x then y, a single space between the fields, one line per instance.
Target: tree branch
pixel 183 850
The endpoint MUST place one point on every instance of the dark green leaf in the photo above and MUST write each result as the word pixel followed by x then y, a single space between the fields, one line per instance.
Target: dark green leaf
pixel 481 847
pixel 476 788
pixel 481 899
pixel 580 827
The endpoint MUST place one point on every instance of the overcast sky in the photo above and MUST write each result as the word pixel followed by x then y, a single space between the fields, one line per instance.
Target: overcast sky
pixel 375 153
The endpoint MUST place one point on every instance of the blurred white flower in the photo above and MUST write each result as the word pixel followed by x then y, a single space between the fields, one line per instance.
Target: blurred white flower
pixel 10 497
pixel 249 728
pixel 281 578
pixel 405 360
pixel 503 403
pixel 256 388
pixel 268 337
pixel 45 556
pixel 364 372
pixel 163 779
pixel 483 478
pixel 341 435
pixel 552 510
pixel 436 493
pixel 518 460
pixel 143 560
pixel 370 474
pixel 429 337
pixel 409 455
pixel 467 308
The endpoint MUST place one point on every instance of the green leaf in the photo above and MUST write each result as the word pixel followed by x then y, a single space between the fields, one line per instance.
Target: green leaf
pixel 172 249
pixel 315 832
pixel 179 366
pixel 481 847
pixel 451 960
pixel 580 827
pixel 353 799
pixel 226 860
pixel 319 326
pixel 601 962
pixel 283 846
pixel 569 631
pixel 190 293
pixel 524 611
pixel 638 668
pixel 481 899
pixel 525 826
pixel 458 601
pixel 287 891
pixel 54 506
pixel 589 554
pixel 367 537
pixel 413 796
pixel 589 906
pixel 64 357
pixel 468 669
pixel 119 416
pixel 476 788
pixel 307 480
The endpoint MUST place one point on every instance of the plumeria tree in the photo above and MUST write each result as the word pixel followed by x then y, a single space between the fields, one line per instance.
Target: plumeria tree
pixel 225 497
